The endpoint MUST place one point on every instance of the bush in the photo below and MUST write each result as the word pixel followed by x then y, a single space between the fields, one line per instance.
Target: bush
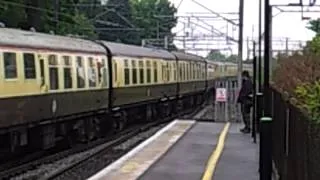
pixel 308 95
pixel 299 75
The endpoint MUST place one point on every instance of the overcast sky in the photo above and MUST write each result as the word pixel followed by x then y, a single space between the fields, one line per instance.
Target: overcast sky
pixel 284 24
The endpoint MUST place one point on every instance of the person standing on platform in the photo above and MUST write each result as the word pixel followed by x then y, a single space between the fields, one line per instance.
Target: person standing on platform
pixel 245 100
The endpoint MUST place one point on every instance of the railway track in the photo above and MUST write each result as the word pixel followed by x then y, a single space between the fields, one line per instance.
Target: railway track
pixel 100 147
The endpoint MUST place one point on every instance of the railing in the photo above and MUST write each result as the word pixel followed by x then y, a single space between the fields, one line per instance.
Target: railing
pixel 296 141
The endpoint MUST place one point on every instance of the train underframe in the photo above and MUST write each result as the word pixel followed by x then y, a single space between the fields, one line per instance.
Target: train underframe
pixel 92 126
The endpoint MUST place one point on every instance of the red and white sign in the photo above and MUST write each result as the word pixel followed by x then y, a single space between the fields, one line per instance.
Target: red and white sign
pixel 221 94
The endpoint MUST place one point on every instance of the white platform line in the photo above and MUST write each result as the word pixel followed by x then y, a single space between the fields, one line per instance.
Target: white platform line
pixel 119 162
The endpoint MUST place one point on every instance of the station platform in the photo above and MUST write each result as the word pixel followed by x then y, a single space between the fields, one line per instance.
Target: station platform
pixel 187 149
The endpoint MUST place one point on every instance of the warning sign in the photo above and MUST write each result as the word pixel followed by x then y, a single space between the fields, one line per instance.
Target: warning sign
pixel 221 94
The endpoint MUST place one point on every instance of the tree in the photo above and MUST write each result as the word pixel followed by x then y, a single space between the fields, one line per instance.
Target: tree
pixel 232 58
pixel 42 16
pixel 314 25
pixel 216 55
pixel 71 19
pixel 155 17
pixel 116 23
pixel 11 14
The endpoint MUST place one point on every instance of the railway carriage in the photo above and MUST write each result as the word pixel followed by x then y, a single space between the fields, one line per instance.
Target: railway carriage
pixel 43 78
pixel 142 77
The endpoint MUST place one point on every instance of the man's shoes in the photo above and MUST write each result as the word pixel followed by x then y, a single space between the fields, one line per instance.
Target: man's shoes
pixel 245 130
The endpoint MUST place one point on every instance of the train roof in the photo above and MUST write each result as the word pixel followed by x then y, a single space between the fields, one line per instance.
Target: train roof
pixel 118 49
pixel 29 39
pixel 187 56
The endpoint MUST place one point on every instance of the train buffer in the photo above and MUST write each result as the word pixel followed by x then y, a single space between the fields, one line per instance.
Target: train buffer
pixel 189 150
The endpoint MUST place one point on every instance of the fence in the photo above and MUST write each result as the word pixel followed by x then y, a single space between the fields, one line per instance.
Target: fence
pixel 227 109
pixel 296 141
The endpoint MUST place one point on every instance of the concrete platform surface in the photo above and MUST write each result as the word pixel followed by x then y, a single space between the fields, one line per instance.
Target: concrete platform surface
pixel 240 157
pixel 182 150
pixel 134 163
pixel 187 159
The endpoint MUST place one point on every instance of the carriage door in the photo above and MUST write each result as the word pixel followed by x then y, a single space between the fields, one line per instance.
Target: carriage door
pixel 43 79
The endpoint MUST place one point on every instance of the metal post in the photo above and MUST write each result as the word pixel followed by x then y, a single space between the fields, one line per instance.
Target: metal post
pixel 226 104
pixel 241 9
pixel 266 148
pixel 143 42
pixel 215 102
pixel 166 42
pixel 56 14
pixel 259 103
pixel 267 57
pixel 254 115
pixel 265 162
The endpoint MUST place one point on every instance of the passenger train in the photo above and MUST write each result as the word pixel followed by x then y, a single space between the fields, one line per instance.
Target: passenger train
pixel 56 88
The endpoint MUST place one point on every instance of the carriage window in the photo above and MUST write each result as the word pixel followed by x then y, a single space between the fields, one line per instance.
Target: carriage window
pixel 134 72
pixel 100 66
pixel 164 72
pixel 10 65
pixel 155 71
pixel 199 71
pixel 126 72
pixel 92 77
pixel 174 72
pixel 102 73
pixel 115 70
pixel 190 71
pixel 80 73
pixel 141 72
pixel 203 70
pixel 168 71
pixel 183 72
pixel 29 66
pixel 148 72
pixel 194 71
pixel 186 71
pixel 67 72
pixel 180 71
pixel 53 72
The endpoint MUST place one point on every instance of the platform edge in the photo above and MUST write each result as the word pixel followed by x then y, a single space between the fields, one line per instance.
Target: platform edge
pixel 131 153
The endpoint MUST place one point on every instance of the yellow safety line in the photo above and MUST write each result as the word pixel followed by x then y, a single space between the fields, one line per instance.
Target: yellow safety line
pixel 212 163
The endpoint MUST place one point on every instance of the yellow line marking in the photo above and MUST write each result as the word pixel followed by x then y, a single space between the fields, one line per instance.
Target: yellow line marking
pixel 214 158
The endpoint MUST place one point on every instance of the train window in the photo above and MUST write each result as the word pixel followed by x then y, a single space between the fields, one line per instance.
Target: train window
pixel 134 72
pixel 187 71
pixel 100 66
pixel 67 72
pixel 102 73
pixel 115 71
pixel 126 72
pixel 155 72
pixel 174 71
pixel 199 71
pixel 92 77
pixel 10 65
pixel 80 73
pixel 193 71
pixel 183 72
pixel 148 72
pixel 164 72
pixel 29 66
pixel 203 72
pixel 141 72
pixel 180 71
pixel 168 71
pixel 53 72
pixel 190 71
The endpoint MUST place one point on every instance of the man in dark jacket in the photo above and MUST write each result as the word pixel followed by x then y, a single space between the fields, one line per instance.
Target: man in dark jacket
pixel 245 100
